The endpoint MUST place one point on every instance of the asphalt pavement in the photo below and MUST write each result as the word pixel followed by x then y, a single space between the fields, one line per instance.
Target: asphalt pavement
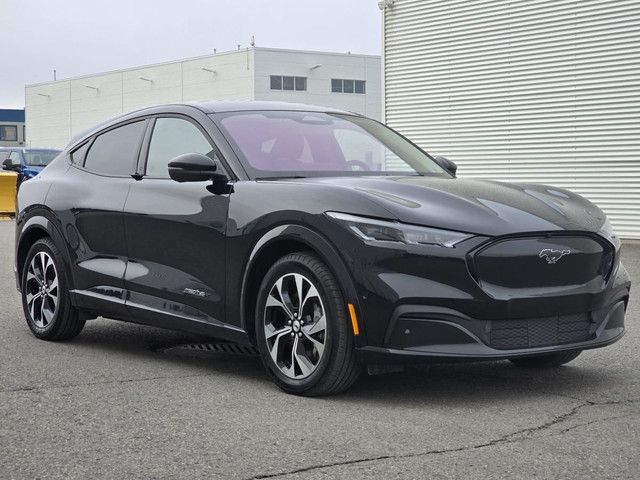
pixel 121 401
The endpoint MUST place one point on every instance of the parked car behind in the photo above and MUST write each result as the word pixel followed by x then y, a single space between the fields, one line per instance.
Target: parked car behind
pixel 325 239
pixel 27 162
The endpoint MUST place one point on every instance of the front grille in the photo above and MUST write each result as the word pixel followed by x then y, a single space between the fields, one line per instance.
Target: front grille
pixel 541 262
pixel 539 332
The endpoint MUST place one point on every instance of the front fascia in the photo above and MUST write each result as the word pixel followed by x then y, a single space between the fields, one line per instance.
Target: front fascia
pixel 388 275
pixel 434 283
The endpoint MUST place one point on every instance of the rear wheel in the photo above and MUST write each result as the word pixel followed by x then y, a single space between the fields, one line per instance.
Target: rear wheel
pixel 45 295
pixel 302 329
pixel 546 361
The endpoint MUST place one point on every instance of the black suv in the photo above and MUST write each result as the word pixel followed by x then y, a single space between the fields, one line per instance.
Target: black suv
pixel 324 238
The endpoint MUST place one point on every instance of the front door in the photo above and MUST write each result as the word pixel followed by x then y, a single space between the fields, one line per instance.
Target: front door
pixel 176 236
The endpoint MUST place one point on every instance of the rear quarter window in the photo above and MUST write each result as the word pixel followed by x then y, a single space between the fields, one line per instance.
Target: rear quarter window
pixel 79 154
pixel 116 151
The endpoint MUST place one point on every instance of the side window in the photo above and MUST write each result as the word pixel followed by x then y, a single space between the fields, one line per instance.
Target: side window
pixel 172 137
pixel 116 151
pixel 78 155
pixel 15 158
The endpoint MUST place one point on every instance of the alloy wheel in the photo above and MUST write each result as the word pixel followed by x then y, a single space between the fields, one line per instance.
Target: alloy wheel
pixel 42 289
pixel 295 325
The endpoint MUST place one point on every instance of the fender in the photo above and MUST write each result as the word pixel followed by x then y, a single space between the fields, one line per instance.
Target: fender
pixel 41 218
pixel 327 253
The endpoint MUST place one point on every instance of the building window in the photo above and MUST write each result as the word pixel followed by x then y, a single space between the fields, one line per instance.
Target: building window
pixel 9 133
pixel 347 86
pixel 280 82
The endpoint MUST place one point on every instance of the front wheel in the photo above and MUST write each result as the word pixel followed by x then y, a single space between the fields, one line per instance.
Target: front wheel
pixel 45 296
pixel 302 329
pixel 546 361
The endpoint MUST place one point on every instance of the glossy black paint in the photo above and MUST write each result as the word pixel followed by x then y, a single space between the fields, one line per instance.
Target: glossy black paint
pixel 190 256
pixel 194 167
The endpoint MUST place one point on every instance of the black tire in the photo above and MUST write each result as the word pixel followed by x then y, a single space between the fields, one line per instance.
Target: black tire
pixel 546 361
pixel 45 294
pixel 306 345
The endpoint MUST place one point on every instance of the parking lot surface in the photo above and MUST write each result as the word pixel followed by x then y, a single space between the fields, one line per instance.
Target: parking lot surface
pixel 121 401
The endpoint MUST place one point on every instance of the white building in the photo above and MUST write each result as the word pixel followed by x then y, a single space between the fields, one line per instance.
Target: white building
pixel 530 91
pixel 55 111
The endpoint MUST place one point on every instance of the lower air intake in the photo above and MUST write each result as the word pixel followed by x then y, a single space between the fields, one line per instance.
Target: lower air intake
pixel 539 332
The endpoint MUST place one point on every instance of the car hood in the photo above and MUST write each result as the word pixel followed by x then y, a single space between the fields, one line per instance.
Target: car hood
pixel 31 171
pixel 474 206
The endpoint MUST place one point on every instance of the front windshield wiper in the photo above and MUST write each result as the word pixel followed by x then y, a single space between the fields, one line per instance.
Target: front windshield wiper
pixel 281 177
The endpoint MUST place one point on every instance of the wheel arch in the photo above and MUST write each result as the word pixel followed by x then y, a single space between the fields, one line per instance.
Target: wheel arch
pixel 281 241
pixel 33 229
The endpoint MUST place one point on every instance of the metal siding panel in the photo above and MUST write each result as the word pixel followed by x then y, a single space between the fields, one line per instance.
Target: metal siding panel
pixel 529 91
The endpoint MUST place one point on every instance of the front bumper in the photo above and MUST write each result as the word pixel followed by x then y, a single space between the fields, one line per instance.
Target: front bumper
pixel 488 298
pixel 417 334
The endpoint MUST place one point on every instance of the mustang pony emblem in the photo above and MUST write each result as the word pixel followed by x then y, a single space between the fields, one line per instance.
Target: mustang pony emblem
pixel 553 256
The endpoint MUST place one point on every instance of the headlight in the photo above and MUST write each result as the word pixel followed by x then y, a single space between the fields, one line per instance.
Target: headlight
pixel 373 230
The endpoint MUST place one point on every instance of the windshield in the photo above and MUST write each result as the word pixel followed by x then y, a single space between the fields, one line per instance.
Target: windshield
pixel 40 158
pixel 312 143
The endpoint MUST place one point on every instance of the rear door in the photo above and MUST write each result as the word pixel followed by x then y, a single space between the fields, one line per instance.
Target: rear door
pixel 176 234
pixel 89 199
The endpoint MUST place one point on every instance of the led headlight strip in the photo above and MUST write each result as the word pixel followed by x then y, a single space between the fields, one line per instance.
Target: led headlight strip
pixel 374 230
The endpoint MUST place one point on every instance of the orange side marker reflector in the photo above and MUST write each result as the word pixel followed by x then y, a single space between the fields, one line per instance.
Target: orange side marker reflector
pixel 354 320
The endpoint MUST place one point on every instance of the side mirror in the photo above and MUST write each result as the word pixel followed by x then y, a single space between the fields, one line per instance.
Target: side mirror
pixel 194 167
pixel 447 164
pixel 7 164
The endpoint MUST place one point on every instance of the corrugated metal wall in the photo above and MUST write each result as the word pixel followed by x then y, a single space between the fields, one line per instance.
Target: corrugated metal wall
pixel 524 90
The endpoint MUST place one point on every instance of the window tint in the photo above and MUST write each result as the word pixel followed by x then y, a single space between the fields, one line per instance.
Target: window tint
pixel 360 148
pixel 116 152
pixel 280 141
pixel 39 158
pixel 77 157
pixel 172 137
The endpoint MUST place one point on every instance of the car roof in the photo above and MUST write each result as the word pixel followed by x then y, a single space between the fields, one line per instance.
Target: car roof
pixel 214 106
pixel 220 106
pixel 28 149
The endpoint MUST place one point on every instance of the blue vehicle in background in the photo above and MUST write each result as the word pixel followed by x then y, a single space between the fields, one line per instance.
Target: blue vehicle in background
pixel 27 162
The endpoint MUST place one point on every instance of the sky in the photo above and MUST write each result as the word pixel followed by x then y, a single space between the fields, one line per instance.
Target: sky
pixel 84 37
